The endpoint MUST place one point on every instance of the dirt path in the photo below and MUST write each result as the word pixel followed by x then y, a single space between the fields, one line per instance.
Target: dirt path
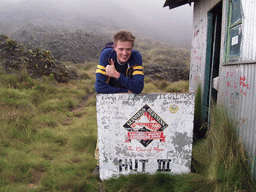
pixel 80 108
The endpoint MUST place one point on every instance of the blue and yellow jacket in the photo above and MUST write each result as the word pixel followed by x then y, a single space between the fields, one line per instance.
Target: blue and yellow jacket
pixel 134 83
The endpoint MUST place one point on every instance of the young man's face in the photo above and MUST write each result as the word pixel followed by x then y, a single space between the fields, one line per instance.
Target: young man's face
pixel 123 50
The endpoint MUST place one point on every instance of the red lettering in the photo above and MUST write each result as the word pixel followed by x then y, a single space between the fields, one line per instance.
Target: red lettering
pixel 232 74
pixel 228 84
pixel 242 78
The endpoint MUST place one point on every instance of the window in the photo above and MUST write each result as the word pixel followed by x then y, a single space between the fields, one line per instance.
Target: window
pixel 234 30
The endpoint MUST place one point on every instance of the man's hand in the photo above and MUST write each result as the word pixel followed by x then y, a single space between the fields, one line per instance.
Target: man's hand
pixel 111 70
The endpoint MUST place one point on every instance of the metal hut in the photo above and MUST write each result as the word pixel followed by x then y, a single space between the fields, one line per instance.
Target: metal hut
pixel 223 61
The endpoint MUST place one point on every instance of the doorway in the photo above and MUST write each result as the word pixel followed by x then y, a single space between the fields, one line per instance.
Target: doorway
pixel 212 60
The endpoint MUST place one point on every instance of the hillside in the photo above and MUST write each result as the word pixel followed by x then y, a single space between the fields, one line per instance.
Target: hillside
pixel 16 58
pixel 76 33
pixel 77 47
pixel 41 48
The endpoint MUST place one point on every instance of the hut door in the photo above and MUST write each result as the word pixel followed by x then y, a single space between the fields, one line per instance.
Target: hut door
pixel 212 59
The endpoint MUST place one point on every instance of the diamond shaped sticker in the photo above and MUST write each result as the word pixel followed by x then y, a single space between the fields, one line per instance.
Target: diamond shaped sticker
pixel 145 126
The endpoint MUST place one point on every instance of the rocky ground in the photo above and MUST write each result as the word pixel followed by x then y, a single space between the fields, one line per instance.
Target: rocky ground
pixel 166 72
pixel 15 58
pixel 42 51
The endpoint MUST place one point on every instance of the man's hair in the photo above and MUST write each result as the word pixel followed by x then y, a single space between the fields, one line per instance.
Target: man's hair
pixel 124 36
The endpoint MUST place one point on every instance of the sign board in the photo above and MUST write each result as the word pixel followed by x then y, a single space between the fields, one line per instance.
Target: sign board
pixel 144 133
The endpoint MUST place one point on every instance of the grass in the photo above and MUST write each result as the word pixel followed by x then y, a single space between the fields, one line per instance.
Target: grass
pixel 163 86
pixel 219 160
pixel 141 182
pixel 45 144
pixel 48 135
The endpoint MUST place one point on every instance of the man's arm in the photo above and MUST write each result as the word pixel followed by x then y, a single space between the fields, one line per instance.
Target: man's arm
pixel 135 83
pixel 100 85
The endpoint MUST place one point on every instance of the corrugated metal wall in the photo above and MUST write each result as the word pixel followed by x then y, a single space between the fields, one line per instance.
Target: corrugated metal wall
pixel 237 88
pixel 237 81
pixel 249 30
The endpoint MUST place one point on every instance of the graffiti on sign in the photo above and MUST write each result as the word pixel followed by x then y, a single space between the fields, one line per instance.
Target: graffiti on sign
pixel 144 133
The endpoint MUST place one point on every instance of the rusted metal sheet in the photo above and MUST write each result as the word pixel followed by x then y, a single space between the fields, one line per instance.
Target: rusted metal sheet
pixel 144 133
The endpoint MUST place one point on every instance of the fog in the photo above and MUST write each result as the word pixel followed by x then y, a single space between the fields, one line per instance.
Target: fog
pixel 146 17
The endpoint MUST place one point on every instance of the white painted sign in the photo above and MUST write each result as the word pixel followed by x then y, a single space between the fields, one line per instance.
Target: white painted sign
pixel 144 133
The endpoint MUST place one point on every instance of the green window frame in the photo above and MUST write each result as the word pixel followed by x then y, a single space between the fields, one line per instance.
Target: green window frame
pixel 234 30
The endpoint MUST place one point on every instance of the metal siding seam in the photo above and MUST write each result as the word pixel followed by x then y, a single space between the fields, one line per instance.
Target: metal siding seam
pixel 253 117
pixel 254 31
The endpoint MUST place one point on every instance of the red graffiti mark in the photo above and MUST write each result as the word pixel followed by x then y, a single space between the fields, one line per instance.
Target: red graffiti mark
pixel 242 92
pixel 231 74
pixel 198 58
pixel 228 84
pixel 225 93
pixel 234 84
pixel 242 78
pixel 242 82
pixel 196 78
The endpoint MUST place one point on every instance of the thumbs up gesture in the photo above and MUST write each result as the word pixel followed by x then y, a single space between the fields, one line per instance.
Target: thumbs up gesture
pixel 111 70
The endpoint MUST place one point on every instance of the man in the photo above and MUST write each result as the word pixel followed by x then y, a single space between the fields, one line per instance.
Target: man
pixel 119 71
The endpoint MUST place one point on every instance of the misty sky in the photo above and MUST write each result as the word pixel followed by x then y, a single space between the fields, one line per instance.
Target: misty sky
pixel 177 23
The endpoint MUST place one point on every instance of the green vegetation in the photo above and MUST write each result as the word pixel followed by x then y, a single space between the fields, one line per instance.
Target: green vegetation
pixel 219 160
pixel 219 164
pixel 141 182
pixel 48 135
pixel 163 86
pixel 47 142
pixel 163 62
